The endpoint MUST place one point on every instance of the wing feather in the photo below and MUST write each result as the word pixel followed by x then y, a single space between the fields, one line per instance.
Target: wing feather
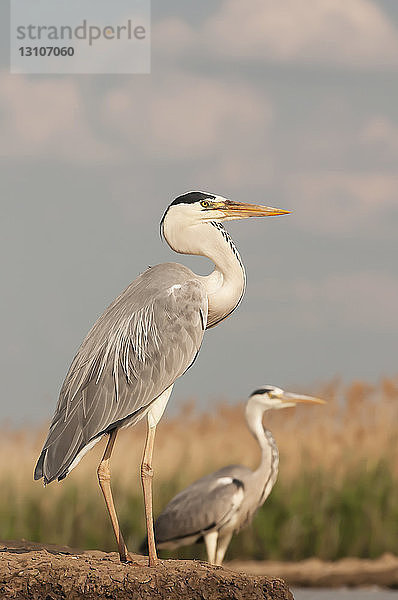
pixel 206 504
pixel 143 342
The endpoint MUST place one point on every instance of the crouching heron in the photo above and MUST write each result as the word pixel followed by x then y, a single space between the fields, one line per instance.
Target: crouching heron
pixel 147 338
pixel 216 506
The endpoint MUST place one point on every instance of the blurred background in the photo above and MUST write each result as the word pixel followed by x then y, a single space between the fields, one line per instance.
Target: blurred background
pixel 289 104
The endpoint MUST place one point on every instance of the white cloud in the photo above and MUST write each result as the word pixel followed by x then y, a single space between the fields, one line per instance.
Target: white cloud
pixel 174 117
pixel 182 117
pixel 354 33
pixel 344 203
pixel 348 33
pixel 173 36
pixel 43 117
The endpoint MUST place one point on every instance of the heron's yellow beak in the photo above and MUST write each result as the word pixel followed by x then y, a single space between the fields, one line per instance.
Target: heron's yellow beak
pixel 296 398
pixel 241 210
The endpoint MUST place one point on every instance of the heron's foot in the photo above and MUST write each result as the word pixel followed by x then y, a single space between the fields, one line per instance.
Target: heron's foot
pixel 153 561
pixel 128 559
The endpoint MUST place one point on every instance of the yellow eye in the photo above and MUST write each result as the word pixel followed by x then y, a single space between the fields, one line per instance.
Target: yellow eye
pixel 204 204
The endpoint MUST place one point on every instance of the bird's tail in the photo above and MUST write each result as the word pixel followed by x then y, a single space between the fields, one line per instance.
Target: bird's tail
pixel 38 474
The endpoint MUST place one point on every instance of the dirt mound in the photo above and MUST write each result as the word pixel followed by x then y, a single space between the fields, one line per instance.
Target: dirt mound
pixel 313 572
pixel 31 571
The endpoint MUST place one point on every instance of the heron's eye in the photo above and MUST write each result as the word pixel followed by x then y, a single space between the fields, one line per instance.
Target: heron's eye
pixel 204 204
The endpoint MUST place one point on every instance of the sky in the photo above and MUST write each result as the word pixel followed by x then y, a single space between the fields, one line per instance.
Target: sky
pixel 287 104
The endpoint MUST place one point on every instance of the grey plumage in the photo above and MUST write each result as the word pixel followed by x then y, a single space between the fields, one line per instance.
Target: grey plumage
pixel 141 344
pixel 205 505
pixel 147 338
pixel 222 503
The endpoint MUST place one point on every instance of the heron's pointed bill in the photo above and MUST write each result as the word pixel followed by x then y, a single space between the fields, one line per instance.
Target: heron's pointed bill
pixel 296 398
pixel 241 210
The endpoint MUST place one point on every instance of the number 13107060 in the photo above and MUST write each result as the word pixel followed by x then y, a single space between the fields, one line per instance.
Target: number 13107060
pixel 46 51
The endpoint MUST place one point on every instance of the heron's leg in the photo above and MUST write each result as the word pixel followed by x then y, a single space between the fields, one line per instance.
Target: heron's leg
pixel 222 545
pixel 211 546
pixel 146 480
pixel 153 417
pixel 104 479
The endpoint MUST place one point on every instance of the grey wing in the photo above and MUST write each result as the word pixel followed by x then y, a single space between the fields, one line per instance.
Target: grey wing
pixel 143 342
pixel 206 504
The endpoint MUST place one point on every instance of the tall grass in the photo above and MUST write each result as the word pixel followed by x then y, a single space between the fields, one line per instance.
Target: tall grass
pixel 337 493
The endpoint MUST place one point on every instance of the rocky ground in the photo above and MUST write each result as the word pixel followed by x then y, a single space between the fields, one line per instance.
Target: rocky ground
pixel 31 571
pixel 313 572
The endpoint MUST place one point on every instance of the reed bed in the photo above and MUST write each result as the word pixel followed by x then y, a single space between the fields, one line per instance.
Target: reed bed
pixel 337 493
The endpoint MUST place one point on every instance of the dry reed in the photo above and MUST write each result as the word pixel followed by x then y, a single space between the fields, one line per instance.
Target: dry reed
pixel 338 477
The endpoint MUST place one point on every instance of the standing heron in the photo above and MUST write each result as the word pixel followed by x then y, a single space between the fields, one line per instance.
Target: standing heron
pixel 216 506
pixel 147 338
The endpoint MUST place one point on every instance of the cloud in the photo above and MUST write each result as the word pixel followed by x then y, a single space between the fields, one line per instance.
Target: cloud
pixel 173 117
pixel 344 203
pixel 173 36
pixel 354 33
pixel 219 129
pixel 185 116
pixel 335 32
pixel 43 117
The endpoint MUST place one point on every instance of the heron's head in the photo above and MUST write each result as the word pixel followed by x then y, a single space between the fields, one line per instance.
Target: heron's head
pixel 195 208
pixel 269 396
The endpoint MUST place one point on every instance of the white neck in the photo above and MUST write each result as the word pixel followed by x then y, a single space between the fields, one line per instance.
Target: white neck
pixel 225 286
pixel 267 471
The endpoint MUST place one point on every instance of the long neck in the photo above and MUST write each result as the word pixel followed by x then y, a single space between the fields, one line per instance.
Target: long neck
pixel 267 471
pixel 225 286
